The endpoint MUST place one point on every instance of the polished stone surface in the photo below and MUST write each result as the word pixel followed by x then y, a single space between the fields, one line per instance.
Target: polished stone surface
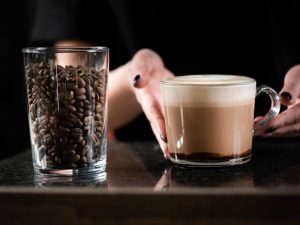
pixel 275 164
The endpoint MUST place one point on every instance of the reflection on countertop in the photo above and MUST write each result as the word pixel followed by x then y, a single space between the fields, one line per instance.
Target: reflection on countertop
pixel 274 164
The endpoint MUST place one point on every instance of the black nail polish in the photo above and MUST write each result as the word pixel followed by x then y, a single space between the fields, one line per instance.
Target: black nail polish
pixel 270 130
pixel 164 139
pixel 136 79
pixel 286 96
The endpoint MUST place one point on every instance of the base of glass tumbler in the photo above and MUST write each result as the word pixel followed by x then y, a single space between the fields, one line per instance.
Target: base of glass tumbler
pixel 212 163
pixel 97 168
pixel 95 180
pixel 87 176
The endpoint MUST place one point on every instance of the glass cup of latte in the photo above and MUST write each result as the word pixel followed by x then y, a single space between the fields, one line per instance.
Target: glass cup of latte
pixel 209 118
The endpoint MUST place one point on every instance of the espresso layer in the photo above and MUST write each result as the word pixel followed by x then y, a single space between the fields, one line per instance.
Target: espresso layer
pixel 200 156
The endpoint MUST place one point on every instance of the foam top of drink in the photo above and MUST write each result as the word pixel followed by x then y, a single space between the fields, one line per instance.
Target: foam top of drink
pixel 208 90
pixel 210 79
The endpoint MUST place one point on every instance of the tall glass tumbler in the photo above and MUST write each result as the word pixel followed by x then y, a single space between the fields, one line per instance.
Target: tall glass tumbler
pixel 67 108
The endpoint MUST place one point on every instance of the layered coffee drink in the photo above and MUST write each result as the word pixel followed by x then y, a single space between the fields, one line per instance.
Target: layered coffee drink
pixel 209 118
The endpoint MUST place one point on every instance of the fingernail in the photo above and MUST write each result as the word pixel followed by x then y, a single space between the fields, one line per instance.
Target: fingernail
pixel 164 138
pixel 270 130
pixel 167 156
pixel 135 80
pixel 286 96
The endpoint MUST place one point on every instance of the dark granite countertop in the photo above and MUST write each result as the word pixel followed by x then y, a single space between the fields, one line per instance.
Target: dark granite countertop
pixel 274 164
pixel 140 187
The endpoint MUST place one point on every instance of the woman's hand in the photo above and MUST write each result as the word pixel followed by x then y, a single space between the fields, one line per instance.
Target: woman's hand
pixel 287 123
pixel 146 70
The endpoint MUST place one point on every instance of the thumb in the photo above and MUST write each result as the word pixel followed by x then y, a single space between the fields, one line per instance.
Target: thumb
pixel 290 92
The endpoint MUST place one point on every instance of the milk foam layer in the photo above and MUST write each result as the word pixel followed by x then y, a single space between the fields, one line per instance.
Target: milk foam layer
pixel 208 90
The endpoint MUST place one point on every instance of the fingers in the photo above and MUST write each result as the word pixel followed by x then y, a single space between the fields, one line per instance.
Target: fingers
pixel 286 131
pixel 153 111
pixel 258 130
pixel 146 70
pixel 146 59
pixel 290 92
pixel 152 107
pixel 142 65
pixel 162 144
pixel 285 124
pixel 150 101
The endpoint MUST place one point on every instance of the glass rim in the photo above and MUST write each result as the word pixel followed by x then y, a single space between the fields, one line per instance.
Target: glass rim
pixel 172 81
pixel 65 49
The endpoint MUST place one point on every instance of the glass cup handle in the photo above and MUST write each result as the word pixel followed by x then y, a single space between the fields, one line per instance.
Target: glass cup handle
pixel 274 110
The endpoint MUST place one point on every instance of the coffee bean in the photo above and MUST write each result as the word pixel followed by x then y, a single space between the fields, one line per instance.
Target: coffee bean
pixel 41 112
pixel 100 91
pixel 79 104
pixel 69 152
pixel 53 120
pixel 67 124
pixel 44 120
pixel 80 115
pixel 82 143
pixel 84 159
pixel 76 132
pixel 76 158
pixel 93 95
pixel 86 127
pixel 71 118
pixel 85 150
pixel 87 112
pixel 99 108
pixel 95 140
pixel 88 120
pixel 89 89
pixel 96 84
pixel 37 138
pixel 88 107
pixel 44 131
pixel 64 103
pixel 47 139
pixel 64 129
pixel 33 111
pixel 71 108
pixel 35 127
pixel 80 82
pixel 71 86
pixel 80 91
pixel 70 95
pixel 71 102
pixel 81 97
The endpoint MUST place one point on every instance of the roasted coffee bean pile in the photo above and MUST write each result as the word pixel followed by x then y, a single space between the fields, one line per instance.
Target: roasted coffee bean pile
pixel 66 107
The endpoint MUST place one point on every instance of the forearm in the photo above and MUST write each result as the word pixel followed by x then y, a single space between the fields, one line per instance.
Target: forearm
pixel 122 103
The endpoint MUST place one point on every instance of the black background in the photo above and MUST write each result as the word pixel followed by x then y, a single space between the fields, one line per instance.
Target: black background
pixel 259 39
